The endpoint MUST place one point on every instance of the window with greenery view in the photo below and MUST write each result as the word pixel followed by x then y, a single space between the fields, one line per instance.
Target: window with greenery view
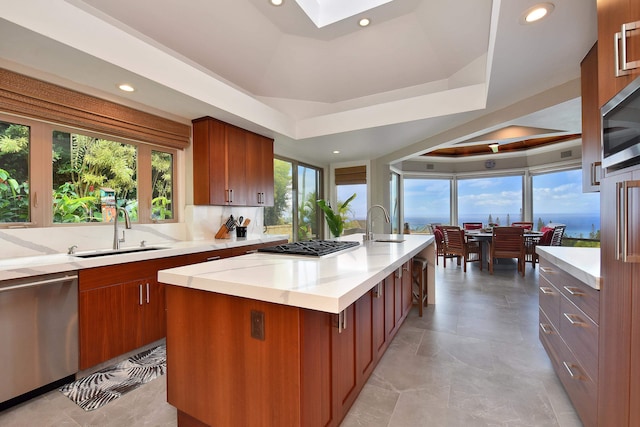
pixel 162 185
pixel 14 172
pixel 296 189
pixel 86 170
pixel 52 175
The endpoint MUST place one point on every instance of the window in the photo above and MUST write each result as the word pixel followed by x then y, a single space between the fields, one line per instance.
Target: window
pixel 496 200
pixel 14 172
pixel 558 198
pixel 350 181
pixel 296 190
pixel 426 201
pixel 91 177
pixel 394 201
pixel 51 175
pixel 162 185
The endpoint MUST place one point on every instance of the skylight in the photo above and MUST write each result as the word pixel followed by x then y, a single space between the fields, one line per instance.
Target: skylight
pixel 325 12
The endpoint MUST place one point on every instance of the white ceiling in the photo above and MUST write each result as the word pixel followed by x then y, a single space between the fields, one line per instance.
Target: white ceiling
pixel 422 67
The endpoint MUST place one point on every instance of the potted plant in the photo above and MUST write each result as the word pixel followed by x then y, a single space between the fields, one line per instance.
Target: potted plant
pixel 335 220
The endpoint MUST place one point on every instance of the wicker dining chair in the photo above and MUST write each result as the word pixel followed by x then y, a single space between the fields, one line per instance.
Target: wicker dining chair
pixel 472 225
pixel 456 245
pixel 507 242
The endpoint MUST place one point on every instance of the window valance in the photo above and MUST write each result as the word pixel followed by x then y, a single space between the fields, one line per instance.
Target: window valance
pixel 40 100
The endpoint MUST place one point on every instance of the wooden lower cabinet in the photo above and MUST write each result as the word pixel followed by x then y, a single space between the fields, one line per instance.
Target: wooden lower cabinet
pixel 569 332
pixel 122 307
pixel 305 372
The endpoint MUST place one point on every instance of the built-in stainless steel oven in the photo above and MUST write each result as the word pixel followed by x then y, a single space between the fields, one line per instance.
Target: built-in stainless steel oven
pixel 621 128
pixel 38 332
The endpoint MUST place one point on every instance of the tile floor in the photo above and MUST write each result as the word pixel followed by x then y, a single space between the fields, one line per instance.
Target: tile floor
pixel 473 359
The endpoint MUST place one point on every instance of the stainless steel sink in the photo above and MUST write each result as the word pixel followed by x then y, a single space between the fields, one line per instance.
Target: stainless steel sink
pixel 389 240
pixel 116 252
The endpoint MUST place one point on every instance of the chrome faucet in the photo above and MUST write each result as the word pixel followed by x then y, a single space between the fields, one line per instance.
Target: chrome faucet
pixel 368 235
pixel 127 225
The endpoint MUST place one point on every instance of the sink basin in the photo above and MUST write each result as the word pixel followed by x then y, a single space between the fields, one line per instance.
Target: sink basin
pixel 389 240
pixel 115 252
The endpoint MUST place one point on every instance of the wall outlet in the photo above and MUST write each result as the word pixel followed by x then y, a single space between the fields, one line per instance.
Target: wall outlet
pixel 257 325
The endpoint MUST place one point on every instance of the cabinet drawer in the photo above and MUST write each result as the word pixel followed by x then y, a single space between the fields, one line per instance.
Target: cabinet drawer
pixel 549 298
pixel 583 296
pixel 582 390
pixel 581 335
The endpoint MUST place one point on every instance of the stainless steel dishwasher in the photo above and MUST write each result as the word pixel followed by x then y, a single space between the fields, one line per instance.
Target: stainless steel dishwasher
pixel 38 332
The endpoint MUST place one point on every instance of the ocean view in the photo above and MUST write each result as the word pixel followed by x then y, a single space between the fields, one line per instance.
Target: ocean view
pixel 578 225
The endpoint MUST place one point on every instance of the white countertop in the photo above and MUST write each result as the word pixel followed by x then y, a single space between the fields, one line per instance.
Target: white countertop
pixel 21 267
pixel 581 263
pixel 330 283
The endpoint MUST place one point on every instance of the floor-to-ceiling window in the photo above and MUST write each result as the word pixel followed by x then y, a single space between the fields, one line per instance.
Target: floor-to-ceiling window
pixel 394 202
pixel 558 198
pixel 490 200
pixel 296 190
pixel 426 201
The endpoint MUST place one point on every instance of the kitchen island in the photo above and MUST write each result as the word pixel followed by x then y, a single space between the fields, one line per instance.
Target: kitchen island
pixel 285 340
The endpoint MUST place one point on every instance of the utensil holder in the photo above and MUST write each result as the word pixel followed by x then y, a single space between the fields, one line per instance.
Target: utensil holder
pixel 241 231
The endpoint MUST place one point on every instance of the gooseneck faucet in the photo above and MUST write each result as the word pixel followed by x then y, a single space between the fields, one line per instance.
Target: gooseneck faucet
pixel 127 224
pixel 368 235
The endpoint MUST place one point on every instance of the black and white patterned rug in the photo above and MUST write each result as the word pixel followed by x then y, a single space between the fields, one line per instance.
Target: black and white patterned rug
pixel 100 388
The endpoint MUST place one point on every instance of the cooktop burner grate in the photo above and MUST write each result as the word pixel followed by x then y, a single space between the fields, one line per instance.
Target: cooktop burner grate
pixel 310 247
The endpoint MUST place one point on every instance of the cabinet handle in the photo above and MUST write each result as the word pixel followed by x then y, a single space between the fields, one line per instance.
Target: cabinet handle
pixel 622 221
pixel 213 258
pixel 574 319
pixel 341 321
pixel 569 367
pixel 546 291
pixel 377 290
pixel 624 29
pixel 594 173
pixel 546 328
pixel 574 291
pixel 547 270
pixel 147 292
pixel 140 294
pixel 230 195
pixel 252 251
pixel 616 55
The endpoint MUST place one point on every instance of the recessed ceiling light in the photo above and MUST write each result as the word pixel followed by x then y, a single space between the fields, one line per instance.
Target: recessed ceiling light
pixel 536 13
pixel 276 2
pixel 126 87
pixel 364 22
pixel 336 151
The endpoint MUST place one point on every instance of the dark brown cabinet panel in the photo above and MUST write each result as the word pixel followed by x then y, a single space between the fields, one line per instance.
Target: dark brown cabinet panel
pixel 570 336
pixel 619 353
pixel 591 123
pixel 611 15
pixel 231 166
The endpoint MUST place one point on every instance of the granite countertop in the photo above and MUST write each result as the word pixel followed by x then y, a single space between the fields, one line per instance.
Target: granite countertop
pixel 581 263
pixel 22 267
pixel 329 284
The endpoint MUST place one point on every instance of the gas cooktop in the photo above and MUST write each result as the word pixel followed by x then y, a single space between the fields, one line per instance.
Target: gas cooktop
pixel 310 247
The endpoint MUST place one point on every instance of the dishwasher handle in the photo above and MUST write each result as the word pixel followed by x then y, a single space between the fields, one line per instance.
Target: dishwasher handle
pixel 41 282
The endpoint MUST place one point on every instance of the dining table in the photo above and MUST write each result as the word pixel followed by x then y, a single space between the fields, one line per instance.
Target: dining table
pixel 486 235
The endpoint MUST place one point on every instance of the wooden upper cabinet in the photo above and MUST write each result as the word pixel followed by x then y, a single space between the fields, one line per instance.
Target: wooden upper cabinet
pixel 612 14
pixel 591 123
pixel 231 166
pixel 259 164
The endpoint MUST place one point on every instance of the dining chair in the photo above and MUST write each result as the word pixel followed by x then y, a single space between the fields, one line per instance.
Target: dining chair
pixel 523 224
pixel 472 225
pixel 556 238
pixel 507 242
pixel 439 236
pixel 456 245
